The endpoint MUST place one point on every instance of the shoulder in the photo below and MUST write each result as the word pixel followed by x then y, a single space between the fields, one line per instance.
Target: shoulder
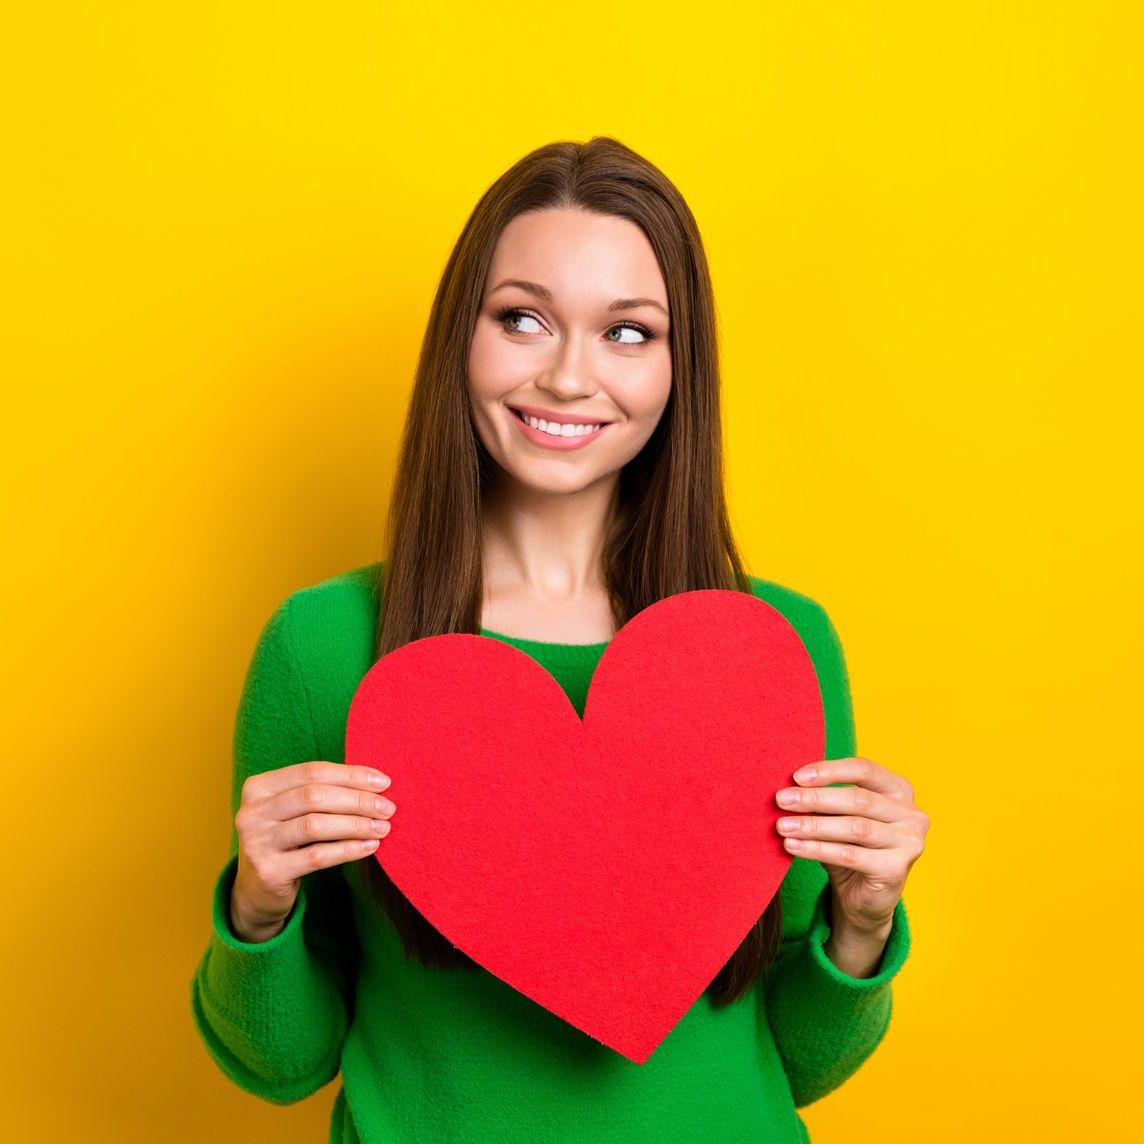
pixel 805 614
pixel 820 638
pixel 347 594
pixel 330 631
pixel 332 624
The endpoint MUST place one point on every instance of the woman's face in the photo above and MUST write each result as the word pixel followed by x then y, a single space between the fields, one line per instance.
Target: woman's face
pixel 573 329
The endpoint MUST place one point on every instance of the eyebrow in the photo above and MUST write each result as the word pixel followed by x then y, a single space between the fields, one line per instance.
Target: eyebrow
pixel 546 294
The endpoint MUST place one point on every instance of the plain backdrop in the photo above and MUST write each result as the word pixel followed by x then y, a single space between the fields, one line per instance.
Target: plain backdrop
pixel 222 228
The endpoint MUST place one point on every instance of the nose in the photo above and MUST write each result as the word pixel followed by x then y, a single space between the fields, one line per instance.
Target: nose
pixel 571 373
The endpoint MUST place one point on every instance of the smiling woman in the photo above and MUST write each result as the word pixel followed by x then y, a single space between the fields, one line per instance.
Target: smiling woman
pixel 561 470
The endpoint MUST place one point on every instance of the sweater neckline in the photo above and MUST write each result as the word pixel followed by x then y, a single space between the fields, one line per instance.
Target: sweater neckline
pixel 570 648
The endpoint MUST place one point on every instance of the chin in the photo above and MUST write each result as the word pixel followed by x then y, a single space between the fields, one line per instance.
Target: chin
pixel 552 484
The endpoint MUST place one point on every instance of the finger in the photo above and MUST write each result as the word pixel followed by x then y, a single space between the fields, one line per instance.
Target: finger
pixel 317 798
pixel 866 861
pixel 840 800
pixel 322 827
pixel 857 770
pixel 841 828
pixel 269 783
pixel 324 854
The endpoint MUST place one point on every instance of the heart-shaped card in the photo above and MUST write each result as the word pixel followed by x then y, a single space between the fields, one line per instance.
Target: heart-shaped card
pixel 608 867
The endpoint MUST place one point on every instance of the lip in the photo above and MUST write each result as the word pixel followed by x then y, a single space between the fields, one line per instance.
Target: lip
pixel 548 440
pixel 560 418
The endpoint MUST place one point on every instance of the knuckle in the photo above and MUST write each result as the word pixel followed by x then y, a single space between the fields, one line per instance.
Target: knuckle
pixel 907 790
pixel 860 827
pixel 313 795
pixel 849 853
pixel 242 822
pixel 862 799
pixel 309 826
pixel 315 856
pixel 865 767
pixel 312 772
pixel 251 788
pixel 924 820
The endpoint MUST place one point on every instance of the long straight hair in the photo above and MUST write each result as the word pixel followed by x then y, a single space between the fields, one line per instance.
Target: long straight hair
pixel 669 531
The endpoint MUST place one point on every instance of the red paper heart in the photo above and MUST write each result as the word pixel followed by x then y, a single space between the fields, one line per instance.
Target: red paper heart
pixel 605 868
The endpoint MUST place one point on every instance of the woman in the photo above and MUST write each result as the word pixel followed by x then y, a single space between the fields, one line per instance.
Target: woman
pixel 561 469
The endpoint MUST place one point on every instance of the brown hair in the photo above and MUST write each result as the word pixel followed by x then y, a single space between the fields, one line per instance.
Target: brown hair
pixel 670 531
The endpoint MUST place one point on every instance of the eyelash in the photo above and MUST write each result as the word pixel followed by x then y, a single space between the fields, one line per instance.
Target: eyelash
pixel 506 312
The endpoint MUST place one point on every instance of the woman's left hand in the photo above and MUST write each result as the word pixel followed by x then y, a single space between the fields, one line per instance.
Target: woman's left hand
pixel 867 836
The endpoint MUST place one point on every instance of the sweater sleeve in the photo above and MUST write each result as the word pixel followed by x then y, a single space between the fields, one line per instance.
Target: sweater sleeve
pixel 274 1014
pixel 824 1022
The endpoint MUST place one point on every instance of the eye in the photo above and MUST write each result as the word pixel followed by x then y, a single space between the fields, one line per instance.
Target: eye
pixel 648 335
pixel 503 315
pixel 510 313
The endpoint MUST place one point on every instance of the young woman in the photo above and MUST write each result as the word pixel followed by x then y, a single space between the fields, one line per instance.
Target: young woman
pixel 561 470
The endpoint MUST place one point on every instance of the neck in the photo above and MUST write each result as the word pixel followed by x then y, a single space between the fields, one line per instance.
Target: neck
pixel 546 543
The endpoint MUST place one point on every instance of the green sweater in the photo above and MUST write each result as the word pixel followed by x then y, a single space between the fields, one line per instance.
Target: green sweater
pixel 431 1055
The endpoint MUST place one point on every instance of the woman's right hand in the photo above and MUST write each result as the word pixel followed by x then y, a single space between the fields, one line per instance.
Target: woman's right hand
pixel 296 820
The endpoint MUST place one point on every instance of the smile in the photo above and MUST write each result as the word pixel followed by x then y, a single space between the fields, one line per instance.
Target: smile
pixel 554 435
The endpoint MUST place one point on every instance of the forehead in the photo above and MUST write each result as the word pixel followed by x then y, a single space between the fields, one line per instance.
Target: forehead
pixel 576 254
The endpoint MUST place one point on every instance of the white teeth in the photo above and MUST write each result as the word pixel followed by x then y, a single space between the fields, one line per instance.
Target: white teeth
pixel 556 429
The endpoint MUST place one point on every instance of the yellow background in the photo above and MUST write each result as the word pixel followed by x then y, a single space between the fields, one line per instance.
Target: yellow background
pixel 222 228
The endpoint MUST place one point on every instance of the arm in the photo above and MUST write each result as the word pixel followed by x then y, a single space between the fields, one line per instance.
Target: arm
pixel 274 1014
pixel 825 1022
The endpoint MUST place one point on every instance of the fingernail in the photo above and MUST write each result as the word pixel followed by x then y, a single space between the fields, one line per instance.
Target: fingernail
pixel 794 843
pixel 379 781
pixel 787 797
pixel 805 775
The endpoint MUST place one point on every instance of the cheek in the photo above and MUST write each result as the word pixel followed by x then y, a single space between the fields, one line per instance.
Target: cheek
pixel 493 367
pixel 478 363
pixel 649 395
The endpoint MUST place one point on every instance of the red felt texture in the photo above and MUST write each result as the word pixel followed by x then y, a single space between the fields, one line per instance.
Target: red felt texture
pixel 606 868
